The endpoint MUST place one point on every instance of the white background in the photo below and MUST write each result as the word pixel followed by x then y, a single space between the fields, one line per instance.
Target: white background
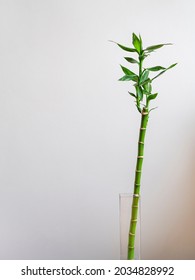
pixel 68 129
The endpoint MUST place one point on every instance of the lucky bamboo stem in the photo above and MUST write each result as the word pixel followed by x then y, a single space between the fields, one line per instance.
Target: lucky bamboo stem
pixel 137 184
pixel 143 92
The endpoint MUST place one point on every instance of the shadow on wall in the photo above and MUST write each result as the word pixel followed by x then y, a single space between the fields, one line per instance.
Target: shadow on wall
pixel 180 241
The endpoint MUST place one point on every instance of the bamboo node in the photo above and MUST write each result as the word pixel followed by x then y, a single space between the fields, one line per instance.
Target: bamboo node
pixel 137 184
pixel 138 171
pixel 142 128
pixel 130 247
pixel 130 233
pixel 135 206
pixel 134 221
pixel 141 142
pixel 135 195
pixel 140 157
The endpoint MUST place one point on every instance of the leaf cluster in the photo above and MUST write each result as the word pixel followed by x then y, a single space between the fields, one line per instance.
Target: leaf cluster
pixel 142 80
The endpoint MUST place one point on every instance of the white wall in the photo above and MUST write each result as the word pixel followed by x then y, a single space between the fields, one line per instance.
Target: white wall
pixel 68 129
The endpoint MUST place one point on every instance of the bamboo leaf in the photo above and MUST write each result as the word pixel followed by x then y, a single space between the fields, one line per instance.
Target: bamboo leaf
pixel 152 96
pixel 138 106
pixel 145 92
pixel 131 60
pixel 139 93
pixel 144 55
pixel 132 94
pixel 124 47
pixel 147 87
pixel 171 66
pixel 129 78
pixel 127 71
pixel 136 42
pixel 145 82
pixel 155 47
pixel 156 68
pixel 140 38
pixel 162 72
pixel 144 76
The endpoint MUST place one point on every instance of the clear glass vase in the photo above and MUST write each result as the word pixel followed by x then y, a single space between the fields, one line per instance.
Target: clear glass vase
pixel 125 206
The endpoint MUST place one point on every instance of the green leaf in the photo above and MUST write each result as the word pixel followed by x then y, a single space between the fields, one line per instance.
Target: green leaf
pixel 143 56
pixel 139 93
pixel 140 39
pixel 124 47
pixel 152 96
pixel 155 47
pixel 171 66
pixel 129 78
pixel 131 60
pixel 162 72
pixel 144 76
pixel 136 42
pixel 138 107
pixel 127 71
pixel 145 82
pixel 156 68
pixel 132 94
pixel 147 87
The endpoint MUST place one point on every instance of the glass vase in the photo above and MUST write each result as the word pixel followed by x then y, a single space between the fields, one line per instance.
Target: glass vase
pixel 125 206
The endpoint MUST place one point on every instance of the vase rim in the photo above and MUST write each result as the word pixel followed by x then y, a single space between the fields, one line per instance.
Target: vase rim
pixel 126 195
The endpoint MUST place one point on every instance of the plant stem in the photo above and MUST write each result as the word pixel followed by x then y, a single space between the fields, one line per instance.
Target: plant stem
pixel 137 183
pixel 140 65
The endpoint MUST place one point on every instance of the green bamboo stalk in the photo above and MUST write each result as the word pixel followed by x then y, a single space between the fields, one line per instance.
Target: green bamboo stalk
pixel 143 92
pixel 137 184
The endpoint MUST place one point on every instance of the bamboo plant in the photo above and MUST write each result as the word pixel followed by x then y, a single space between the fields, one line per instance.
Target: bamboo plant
pixel 143 95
